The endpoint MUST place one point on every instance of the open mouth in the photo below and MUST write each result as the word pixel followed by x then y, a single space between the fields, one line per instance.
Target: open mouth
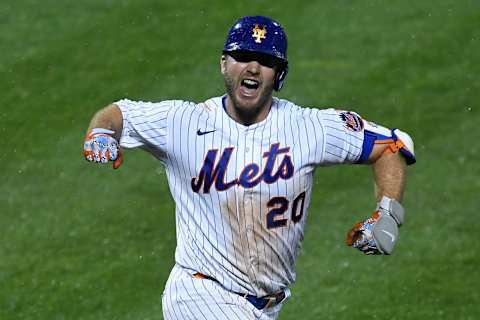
pixel 250 84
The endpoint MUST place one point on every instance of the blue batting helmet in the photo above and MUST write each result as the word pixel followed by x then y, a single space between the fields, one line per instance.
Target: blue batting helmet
pixel 261 35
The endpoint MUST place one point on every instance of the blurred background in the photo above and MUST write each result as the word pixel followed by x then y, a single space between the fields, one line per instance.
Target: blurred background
pixel 79 241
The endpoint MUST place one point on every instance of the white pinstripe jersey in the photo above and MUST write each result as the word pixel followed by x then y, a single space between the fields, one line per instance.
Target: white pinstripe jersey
pixel 241 192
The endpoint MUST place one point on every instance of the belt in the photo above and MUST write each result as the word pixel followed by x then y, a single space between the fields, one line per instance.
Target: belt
pixel 258 302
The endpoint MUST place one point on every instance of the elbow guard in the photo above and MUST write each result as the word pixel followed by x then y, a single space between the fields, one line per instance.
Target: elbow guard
pixel 395 139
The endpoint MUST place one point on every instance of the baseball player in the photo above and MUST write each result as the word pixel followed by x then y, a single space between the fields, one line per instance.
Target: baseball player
pixel 240 169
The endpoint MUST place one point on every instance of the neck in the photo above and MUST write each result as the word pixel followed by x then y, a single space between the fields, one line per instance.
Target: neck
pixel 247 115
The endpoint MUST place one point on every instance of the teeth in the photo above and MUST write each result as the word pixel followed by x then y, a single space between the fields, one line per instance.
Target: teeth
pixel 250 82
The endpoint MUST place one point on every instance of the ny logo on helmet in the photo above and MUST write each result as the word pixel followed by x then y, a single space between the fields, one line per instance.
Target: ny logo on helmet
pixel 259 33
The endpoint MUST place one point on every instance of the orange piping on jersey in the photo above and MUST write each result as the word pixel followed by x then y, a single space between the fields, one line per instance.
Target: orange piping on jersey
pixel 387 141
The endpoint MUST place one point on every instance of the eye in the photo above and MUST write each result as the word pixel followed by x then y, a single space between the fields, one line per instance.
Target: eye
pixel 247 56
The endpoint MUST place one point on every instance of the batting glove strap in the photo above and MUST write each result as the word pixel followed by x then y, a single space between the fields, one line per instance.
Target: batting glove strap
pixel 95 131
pixel 393 208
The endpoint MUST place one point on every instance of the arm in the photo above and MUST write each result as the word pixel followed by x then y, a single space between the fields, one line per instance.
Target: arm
pixel 389 156
pixel 109 118
pixel 389 173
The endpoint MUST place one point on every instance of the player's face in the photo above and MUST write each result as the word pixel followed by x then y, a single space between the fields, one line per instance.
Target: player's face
pixel 249 80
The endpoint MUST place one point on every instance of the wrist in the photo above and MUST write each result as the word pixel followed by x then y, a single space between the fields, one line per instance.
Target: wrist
pixel 102 130
pixel 393 208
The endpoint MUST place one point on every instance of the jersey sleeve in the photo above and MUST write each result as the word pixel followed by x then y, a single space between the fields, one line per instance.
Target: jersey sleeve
pixel 342 133
pixel 144 123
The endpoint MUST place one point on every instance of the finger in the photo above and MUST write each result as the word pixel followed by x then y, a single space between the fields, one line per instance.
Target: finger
pixel 113 149
pixel 119 160
pixel 96 156
pixel 105 156
pixel 361 241
pixel 371 251
pixel 87 145
pixel 88 155
pixel 354 233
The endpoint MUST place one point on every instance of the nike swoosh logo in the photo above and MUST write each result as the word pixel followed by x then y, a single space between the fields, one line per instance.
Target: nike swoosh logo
pixel 389 234
pixel 201 133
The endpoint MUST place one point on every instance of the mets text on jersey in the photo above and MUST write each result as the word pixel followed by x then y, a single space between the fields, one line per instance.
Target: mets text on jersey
pixel 249 177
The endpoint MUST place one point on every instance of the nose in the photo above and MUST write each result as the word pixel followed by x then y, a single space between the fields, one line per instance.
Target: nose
pixel 253 67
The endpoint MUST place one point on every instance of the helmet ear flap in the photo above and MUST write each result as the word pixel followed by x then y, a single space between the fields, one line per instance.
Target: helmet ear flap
pixel 280 78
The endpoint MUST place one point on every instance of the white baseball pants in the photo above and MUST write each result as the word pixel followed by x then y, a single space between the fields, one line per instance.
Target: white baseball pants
pixel 189 298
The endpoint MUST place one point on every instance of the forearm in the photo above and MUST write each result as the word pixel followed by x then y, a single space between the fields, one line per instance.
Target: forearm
pixel 110 118
pixel 390 175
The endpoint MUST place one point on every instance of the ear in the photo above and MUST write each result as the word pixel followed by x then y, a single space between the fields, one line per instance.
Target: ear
pixel 223 64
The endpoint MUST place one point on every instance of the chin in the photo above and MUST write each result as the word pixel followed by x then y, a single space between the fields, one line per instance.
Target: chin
pixel 262 96
pixel 247 104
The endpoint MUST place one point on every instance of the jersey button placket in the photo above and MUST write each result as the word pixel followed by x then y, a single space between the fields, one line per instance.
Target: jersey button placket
pixel 240 191
pixel 247 137
pixel 250 213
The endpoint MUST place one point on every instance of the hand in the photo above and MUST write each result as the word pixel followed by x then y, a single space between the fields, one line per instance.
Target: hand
pixel 379 233
pixel 361 235
pixel 101 147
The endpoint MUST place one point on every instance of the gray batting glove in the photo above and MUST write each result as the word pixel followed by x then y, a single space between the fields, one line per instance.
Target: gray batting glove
pixel 379 233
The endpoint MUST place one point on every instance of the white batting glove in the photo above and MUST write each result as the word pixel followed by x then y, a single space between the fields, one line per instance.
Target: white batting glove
pixel 100 146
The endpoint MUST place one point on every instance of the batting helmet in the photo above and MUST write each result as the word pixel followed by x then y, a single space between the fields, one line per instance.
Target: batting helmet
pixel 260 35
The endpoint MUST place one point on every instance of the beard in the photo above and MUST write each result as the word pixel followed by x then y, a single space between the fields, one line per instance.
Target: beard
pixel 247 110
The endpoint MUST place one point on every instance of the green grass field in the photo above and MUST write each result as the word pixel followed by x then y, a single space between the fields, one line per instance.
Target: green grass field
pixel 85 242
